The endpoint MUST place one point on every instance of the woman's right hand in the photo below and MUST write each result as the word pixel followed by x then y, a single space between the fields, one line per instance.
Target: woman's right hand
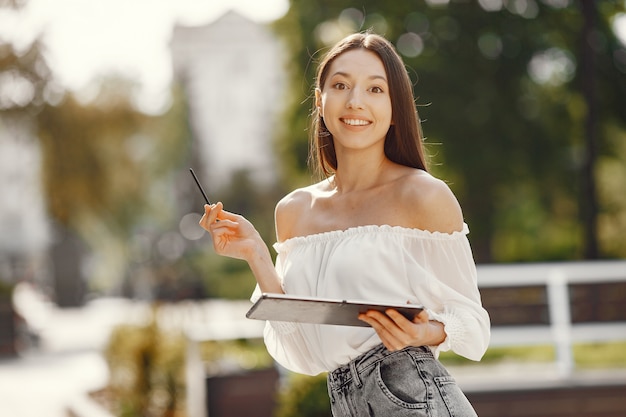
pixel 233 235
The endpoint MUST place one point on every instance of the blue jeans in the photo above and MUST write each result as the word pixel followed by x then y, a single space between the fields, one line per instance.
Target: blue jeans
pixel 408 382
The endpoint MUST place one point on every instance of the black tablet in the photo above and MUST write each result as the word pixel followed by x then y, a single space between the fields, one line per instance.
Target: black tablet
pixel 299 309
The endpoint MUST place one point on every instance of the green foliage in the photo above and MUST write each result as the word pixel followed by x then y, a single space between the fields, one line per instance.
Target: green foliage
pixel 223 277
pixel 146 371
pixel 611 173
pixel 508 138
pixel 147 367
pixel 6 290
pixel 87 167
pixel 304 396
pixel 498 355
pixel 586 355
pixel 225 356
pixel 600 355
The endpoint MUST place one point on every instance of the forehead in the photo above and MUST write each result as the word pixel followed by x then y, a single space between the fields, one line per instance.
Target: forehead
pixel 358 62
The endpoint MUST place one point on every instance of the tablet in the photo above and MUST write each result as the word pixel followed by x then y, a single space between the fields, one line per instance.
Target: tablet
pixel 299 309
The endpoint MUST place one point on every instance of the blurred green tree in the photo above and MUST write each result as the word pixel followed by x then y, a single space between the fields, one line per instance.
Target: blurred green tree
pixel 104 164
pixel 88 169
pixel 304 396
pixel 502 90
pixel 25 86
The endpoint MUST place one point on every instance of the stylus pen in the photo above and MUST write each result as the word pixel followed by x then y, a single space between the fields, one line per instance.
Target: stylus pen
pixel 200 186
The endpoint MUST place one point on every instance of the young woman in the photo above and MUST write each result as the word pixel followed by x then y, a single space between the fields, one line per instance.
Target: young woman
pixel 378 227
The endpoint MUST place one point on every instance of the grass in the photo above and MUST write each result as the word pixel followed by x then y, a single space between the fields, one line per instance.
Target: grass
pixel 586 356
pixel 601 355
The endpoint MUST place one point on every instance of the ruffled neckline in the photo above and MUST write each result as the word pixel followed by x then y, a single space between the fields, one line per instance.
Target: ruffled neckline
pixel 369 229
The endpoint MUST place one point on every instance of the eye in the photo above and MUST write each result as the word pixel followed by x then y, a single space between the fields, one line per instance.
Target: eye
pixel 339 86
pixel 376 90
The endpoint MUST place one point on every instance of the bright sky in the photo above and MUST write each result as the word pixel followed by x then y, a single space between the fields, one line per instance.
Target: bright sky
pixel 87 38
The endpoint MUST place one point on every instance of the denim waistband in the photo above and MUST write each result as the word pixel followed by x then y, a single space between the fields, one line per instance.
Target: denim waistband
pixel 352 369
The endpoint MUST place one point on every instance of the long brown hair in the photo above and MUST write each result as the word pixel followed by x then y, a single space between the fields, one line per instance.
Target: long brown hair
pixel 404 143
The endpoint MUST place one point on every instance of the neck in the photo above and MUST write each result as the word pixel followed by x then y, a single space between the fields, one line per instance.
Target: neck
pixel 359 176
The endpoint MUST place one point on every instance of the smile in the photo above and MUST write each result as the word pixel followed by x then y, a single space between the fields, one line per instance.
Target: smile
pixel 356 122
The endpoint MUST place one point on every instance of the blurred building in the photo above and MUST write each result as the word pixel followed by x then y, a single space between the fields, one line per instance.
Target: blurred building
pixel 232 74
pixel 24 228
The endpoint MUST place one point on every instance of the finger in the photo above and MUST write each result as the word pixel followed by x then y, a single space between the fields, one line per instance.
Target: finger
pixel 401 325
pixel 384 321
pixel 223 227
pixel 206 217
pixel 204 220
pixel 226 215
pixel 375 319
pixel 364 317
pixel 214 212
pixel 405 325
pixel 381 317
pixel 383 333
pixel 402 331
pixel 390 334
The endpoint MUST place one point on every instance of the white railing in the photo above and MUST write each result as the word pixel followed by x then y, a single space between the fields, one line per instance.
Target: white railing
pixel 560 332
pixel 219 320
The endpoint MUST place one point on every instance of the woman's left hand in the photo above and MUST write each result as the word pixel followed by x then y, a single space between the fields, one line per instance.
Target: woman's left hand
pixel 398 332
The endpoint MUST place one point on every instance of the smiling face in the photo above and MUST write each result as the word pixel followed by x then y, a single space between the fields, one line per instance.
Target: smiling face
pixel 370 58
pixel 354 100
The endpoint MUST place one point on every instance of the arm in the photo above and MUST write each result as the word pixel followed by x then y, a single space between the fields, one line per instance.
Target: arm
pixel 285 341
pixel 235 237
pixel 453 298
pixel 454 317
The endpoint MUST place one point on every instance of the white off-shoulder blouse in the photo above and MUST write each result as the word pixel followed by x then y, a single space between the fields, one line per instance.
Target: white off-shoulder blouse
pixel 383 264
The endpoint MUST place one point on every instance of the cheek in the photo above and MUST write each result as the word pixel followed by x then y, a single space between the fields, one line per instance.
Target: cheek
pixel 327 107
pixel 321 106
pixel 390 114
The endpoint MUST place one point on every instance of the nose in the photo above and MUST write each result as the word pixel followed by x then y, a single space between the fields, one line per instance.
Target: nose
pixel 355 101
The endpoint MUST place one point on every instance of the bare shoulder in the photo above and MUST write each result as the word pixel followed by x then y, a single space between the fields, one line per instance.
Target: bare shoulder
pixel 291 209
pixel 430 204
pixel 293 202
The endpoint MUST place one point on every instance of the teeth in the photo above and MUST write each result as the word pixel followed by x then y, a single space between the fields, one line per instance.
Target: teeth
pixel 356 122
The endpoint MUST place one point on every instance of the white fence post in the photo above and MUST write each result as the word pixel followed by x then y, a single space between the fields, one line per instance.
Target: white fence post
pixel 560 320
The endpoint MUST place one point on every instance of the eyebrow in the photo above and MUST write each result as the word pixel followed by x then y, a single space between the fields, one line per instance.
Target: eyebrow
pixel 371 77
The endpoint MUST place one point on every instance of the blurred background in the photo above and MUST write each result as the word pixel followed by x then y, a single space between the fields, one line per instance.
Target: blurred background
pixel 105 105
